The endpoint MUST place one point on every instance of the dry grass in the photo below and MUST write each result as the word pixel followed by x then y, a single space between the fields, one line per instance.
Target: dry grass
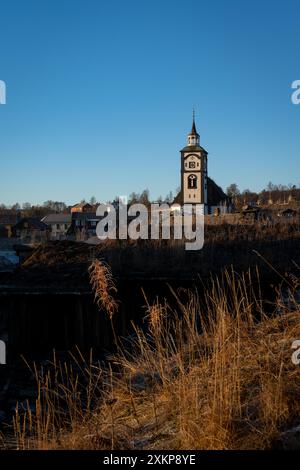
pixel 103 286
pixel 225 245
pixel 211 374
pixel 65 263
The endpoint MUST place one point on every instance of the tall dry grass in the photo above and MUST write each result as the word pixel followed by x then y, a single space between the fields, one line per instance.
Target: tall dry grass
pixel 103 286
pixel 213 373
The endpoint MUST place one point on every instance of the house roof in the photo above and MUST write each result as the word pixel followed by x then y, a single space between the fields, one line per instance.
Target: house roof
pixel 8 219
pixel 288 210
pixel 248 208
pixel 85 215
pixel 33 223
pixel 82 204
pixel 57 219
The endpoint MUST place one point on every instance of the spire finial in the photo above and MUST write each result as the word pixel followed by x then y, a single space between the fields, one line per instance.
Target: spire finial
pixel 194 131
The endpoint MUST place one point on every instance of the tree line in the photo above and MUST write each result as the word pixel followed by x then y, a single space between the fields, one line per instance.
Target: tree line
pixel 51 206
pixel 272 193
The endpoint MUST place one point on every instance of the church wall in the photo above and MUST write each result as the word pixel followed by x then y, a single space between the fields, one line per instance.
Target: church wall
pixel 192 195
pixel 195 196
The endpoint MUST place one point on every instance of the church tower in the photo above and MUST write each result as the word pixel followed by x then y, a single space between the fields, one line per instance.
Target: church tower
pixel 194 170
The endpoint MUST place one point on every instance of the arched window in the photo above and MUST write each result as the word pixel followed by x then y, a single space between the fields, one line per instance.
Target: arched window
pixel 192 182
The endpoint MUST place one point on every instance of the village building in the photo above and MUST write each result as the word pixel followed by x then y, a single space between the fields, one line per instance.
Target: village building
pixel 31 230
pixel 7 221
pixel 287 213
pixel 84 224
pixel 59 225
pixel 82 207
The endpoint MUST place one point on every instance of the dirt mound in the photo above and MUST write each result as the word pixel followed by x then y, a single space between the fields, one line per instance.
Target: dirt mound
pixel 60 253
pixel 56 265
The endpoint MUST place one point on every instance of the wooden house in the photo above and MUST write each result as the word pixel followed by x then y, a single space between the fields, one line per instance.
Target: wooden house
pixel 31 230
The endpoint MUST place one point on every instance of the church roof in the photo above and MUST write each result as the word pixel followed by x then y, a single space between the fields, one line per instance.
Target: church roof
pixel 194 130
pixel 193 148
pixel 215 194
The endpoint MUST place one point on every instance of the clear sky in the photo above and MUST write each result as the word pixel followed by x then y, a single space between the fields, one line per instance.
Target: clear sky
pixel 100 94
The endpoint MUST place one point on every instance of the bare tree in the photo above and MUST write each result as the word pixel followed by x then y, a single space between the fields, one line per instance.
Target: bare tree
pixel 144 197
pixel 233 190
pixel 16 207
pixel 169 198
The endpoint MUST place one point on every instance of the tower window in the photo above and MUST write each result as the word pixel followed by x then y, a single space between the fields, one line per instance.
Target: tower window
pixel 192 182
pixel 192 164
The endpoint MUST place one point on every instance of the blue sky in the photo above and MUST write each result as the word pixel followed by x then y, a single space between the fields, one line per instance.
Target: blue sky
pixel 100 95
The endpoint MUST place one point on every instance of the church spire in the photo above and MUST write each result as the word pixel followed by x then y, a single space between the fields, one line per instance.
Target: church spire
pixel 193 136
pixel 194 130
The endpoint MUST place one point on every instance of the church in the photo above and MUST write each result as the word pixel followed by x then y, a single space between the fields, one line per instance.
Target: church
pixel 196 186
